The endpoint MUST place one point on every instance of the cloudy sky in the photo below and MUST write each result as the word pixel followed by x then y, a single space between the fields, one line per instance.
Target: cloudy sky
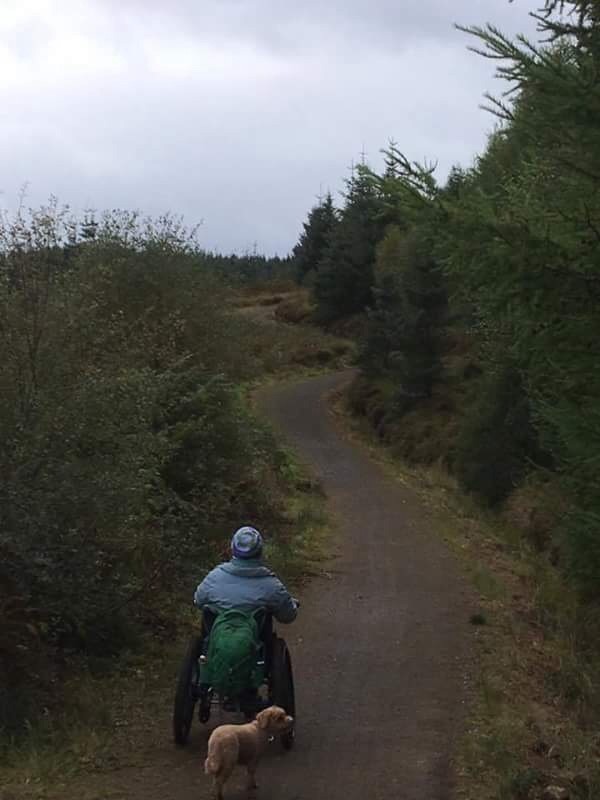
pixel 234 112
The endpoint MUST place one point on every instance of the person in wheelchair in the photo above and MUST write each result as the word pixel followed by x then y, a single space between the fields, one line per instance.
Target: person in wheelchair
pixel 246 584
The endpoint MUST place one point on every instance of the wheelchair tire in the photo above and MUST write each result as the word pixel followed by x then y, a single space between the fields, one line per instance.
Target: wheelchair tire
pixel 185 698
pixel 282 686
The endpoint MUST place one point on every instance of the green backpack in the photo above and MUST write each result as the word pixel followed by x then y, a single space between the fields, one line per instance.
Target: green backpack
pixel 233 649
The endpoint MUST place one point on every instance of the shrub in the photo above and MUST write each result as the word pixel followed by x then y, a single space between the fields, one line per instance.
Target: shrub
pixel 126 452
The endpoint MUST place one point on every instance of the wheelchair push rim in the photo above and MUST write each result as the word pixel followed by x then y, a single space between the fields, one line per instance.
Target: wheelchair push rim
pixel 282 687
pixel 186 692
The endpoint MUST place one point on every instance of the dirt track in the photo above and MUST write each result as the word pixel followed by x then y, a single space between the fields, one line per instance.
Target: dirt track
pixel 379 650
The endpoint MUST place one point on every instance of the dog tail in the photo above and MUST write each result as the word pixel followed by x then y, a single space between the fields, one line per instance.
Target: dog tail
pixel 212 765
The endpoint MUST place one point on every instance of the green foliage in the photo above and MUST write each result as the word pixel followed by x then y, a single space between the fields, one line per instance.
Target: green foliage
pixel 344 276
pixel 524 782
pixel 497 439
pixel 126 451
pixel 314 240
pixel 403 339
pixel 523 244
pixel 478 619
pixel 406 189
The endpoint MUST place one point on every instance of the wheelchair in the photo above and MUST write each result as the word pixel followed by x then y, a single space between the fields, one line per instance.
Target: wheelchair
pixel 274 663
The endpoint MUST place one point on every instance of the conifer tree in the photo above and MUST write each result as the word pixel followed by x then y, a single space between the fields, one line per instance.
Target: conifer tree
pixel 315 238
pixel 345 274
pixel 524 243
pixel 404 335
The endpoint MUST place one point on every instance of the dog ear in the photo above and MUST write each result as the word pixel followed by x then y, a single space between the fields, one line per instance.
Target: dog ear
pixel 263 719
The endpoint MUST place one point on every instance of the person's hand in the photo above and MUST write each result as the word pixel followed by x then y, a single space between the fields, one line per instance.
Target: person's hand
pixel 296 602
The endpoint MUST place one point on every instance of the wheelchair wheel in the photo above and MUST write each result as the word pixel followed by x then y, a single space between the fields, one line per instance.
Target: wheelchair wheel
pixel 282 686
pixel 186 692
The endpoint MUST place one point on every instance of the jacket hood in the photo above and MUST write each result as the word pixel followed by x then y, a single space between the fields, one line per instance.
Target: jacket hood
pixel 246 568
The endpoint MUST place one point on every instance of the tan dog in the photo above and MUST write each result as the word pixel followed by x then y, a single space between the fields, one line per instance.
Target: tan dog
pixel 243 744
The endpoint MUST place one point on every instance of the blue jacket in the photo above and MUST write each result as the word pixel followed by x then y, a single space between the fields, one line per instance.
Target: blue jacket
pixel 246 584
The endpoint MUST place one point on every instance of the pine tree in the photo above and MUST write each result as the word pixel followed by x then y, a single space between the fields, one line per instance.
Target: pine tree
pixel 404 338
pixel 345 274
pixel 524 243
pixel 315 238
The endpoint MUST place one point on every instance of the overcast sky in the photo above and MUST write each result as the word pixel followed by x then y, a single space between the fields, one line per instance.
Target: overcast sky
pixel 236 112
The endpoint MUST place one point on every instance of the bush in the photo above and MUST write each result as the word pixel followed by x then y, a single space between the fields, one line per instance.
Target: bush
pixel 126 452
pixel 294 310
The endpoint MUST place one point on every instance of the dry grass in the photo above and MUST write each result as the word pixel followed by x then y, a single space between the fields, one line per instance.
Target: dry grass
pixel 536 508
pixel 295 310
pixel 267 295
pixel 281 349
